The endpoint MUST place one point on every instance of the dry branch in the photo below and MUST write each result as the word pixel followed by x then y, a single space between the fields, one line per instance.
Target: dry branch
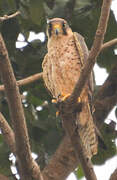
pixel 28 166
pixel 66 108
pixel 26 81
pixel 65 150
pixel 63 162
pixel 6 17
pixel 95 50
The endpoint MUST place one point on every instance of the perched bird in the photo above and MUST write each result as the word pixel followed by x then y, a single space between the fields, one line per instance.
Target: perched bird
pixel 62 65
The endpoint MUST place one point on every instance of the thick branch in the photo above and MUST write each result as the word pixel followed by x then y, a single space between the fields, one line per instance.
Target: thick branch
pixel 26 81
pixel 28 166
pixel 95 50
pixel 8 133
pixel 6 17
pixel 62 163
pixel 66 110
pixel 71 129
pixel 108 92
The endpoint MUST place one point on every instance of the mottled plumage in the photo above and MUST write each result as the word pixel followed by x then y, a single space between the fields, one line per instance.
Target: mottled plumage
pixel 62 65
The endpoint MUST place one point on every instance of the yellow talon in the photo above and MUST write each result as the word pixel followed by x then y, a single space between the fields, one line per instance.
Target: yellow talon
pixel 79 100
pixel 54 101
pixel 64 97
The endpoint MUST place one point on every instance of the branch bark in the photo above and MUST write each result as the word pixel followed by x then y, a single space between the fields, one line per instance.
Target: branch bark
pixel 26 163
pixel 104 101
pixel 8 133
pixel 95 50
pixel 62 163
pixel 66 108
pixel 26 81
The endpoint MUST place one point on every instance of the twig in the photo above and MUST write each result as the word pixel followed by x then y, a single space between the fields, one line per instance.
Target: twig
pixel 8 133
pixel 26 81
pixel 95 50
pixel 109 44
pixel 6 17
pixel 29 168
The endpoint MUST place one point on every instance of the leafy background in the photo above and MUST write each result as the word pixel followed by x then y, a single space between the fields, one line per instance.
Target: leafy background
pixel 44 128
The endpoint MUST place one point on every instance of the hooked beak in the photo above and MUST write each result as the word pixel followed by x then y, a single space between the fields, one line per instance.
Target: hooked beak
pixel 57 29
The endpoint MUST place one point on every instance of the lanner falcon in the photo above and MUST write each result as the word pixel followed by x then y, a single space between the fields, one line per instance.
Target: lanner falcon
pixel 62 65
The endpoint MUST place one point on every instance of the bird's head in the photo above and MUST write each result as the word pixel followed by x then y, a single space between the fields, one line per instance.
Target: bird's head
pixel 57 27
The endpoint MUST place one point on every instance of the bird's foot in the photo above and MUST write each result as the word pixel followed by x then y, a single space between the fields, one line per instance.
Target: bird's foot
pixel 54 101
pixel 66 96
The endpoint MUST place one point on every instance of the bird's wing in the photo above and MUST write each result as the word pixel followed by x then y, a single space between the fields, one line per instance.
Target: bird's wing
pixel 84 53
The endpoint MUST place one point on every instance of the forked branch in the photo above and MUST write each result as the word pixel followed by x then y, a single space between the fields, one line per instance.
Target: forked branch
pixel 6 17
pixel 68 118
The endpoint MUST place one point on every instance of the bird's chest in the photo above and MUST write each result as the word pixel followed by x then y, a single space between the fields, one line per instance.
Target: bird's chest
pixel 63 67
pixel 62 54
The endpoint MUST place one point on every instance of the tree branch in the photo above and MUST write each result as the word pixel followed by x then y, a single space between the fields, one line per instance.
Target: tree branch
pixel 62 163
pixel 109 44
pixel 95 50
pixel 66 108
pixel 26 163
pixel 26 81
pixel 108 92
pixel 106 97
pixel 7 133
pixel 6 17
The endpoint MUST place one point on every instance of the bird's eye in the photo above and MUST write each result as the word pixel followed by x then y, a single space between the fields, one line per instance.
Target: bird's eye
pixel 64 28
pixel 64 25
pixel 50 25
